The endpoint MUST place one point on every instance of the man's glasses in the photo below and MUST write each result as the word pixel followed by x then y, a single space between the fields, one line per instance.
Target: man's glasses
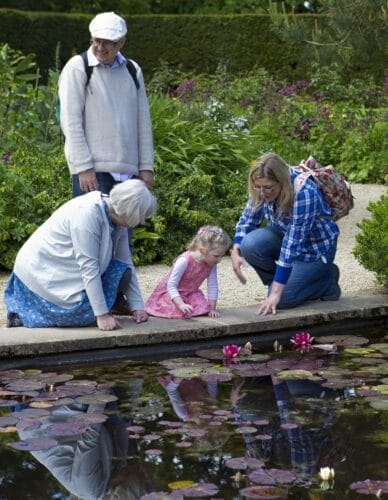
pixel 106 44
pixel 265 189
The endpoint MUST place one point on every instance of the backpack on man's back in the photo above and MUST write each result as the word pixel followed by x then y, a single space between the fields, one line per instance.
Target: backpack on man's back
pixel 334 187
pixel 89 70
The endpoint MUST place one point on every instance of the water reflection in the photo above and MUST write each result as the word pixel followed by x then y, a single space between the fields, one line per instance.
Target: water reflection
pixel 129 430
pixel 93 457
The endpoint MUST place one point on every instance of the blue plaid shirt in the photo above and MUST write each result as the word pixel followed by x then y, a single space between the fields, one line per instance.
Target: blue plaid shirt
pixel 308 231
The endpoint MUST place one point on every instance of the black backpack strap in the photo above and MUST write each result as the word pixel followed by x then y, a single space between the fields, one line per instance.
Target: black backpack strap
pixel 132 71
pixel 88 69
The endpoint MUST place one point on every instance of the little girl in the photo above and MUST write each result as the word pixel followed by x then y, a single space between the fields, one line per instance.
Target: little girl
pixel 177 295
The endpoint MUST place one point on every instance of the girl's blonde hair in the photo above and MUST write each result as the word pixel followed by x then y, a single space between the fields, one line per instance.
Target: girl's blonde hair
pixel 209 238
pixel 271 166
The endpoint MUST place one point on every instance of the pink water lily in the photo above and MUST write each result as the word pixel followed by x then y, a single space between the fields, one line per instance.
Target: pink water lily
pixel 302 341
pixel 231 351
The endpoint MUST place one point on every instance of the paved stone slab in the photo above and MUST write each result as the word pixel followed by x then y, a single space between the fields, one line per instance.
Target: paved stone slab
pixel 25 342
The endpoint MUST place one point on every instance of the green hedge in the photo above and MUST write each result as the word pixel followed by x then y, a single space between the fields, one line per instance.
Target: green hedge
pixel 193 43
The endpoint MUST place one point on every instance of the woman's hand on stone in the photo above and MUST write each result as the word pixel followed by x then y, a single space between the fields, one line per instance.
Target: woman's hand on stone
pixel 273 299
pixel 139 316
pixel 107 322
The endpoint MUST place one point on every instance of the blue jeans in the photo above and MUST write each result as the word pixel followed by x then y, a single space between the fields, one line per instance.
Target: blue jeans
pixel 105 183
pixel 307 281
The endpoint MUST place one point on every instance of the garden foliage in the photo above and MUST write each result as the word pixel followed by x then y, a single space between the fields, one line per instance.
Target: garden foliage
pixel 372 241
pixel 207 131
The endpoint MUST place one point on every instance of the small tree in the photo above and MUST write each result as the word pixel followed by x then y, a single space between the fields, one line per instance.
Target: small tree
pixel 349 33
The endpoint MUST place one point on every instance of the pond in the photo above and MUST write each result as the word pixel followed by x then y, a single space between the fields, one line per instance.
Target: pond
pixel 306 419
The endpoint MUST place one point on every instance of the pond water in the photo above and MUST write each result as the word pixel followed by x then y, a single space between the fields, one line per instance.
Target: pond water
pixel 258 425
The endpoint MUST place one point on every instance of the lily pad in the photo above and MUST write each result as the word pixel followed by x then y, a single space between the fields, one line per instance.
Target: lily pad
pixel 370 486
pixel 161 495
pixel 153 452
pixel 34 444
pixel 382 347
pixel 7 421
pixel 360 351
pixel 382 389
pixel 295 374
pixel 174 363
pixel 200 490
pixel 70 428
pixel 379 404
pixel 378 370
pixel 181 484
pixel 90 418
pixel 342 340
pixel 264 492
pixel 198 371
pixel 242 463
pixel 246 430
pixel 97 397
pixel 136 428
pixel 272 476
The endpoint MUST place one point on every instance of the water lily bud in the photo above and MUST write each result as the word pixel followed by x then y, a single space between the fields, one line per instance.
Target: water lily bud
pixel 248 347
pixel 326 473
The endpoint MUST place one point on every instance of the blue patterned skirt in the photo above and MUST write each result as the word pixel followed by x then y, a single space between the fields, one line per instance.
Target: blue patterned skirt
pixel 36 312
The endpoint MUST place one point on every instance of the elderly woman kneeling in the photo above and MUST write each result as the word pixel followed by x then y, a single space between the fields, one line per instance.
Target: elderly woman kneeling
pixel 71 269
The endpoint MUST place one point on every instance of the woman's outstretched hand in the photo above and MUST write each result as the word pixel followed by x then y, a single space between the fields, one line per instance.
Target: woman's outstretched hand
pixel 237 263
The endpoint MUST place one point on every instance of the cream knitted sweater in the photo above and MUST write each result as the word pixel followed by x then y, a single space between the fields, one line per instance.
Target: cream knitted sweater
pixel 107 126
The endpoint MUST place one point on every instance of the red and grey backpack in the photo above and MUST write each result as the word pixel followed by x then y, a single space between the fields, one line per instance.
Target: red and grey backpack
pixel 334 187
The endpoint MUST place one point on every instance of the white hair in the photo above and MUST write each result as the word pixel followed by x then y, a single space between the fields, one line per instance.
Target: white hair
pixel 132 201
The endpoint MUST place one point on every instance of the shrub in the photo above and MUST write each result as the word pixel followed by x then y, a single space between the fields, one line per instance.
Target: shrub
pixel 372 242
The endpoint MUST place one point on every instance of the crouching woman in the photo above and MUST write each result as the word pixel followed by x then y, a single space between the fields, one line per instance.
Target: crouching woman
pixel 70 270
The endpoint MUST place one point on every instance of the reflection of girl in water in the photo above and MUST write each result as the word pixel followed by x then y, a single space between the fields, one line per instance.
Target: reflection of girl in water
pixel 189 396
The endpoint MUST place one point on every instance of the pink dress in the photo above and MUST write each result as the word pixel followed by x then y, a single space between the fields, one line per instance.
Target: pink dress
pixel 159 302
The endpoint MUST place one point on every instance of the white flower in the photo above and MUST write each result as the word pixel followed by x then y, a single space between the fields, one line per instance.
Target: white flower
pixel 326 473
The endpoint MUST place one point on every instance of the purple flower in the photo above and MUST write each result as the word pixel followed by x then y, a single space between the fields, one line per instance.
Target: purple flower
pixel 231 351
pixel 6 157
pixel 185 90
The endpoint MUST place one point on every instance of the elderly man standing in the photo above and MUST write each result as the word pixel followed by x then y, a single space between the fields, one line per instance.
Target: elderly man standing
pixel 105 115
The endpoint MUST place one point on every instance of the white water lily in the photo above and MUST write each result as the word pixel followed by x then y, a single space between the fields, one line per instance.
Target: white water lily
pixel 326 473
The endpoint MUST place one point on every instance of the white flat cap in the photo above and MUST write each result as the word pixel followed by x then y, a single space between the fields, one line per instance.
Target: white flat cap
pixel 108 26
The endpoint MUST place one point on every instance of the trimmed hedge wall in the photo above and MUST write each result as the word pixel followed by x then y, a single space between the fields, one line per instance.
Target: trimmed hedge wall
pixel 190 42
pixel 195 43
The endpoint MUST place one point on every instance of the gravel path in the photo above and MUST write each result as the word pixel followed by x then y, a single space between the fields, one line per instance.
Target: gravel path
pixel 233 294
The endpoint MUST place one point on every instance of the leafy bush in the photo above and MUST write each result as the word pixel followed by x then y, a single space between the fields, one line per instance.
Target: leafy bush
pixel 207 130
pixel 200 177
pixel 33 183
pixel 372 241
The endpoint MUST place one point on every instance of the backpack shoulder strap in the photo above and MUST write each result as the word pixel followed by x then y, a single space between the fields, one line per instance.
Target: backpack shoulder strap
pixel 301 178
pixel 88 69
pixel 132 71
